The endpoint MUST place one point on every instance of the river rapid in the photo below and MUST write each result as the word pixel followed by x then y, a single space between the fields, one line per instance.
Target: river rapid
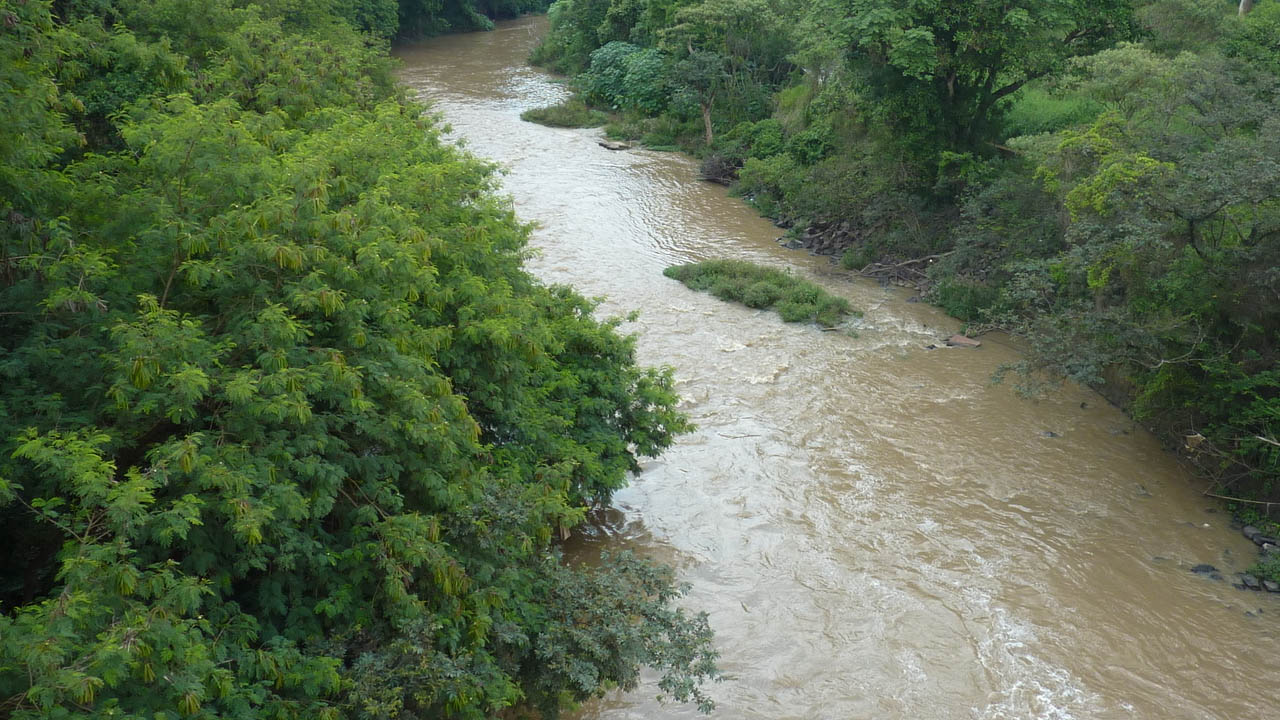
pixel 875 529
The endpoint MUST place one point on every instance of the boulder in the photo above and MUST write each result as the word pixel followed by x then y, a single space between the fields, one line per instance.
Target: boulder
pixel 1250 582
pixel 1261 540
pixel 1271 586
pixel 1250 531
pixel 614 145
pixel 962 341
pixel 1204 569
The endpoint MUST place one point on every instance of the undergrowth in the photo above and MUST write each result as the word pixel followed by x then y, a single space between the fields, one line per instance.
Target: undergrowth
pixel 792 297
pixel 571 113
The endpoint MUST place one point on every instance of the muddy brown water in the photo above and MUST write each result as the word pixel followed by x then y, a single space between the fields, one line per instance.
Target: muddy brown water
pixel 875 529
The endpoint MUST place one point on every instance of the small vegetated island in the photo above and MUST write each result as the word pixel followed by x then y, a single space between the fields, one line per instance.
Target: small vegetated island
pixel 286 431
pixel 794 298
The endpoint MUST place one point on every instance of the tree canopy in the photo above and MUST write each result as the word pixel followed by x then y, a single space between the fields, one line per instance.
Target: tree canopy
pixel 939 69
pixel 286 430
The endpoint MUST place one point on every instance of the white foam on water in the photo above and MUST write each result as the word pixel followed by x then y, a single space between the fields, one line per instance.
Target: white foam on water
pixel 1028 686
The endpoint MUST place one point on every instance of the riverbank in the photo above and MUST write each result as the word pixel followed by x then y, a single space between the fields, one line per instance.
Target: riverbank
pixel 1096 204
pixel 873 528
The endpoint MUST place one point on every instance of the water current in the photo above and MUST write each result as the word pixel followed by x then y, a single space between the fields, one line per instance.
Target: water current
pixel 876 530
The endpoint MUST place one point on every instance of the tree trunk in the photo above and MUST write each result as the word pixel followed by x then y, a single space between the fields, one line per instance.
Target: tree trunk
pixel 706 120
pixel 1245 6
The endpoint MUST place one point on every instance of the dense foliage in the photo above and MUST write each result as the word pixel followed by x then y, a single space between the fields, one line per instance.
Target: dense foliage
pixel 1100 177
pixel 285 429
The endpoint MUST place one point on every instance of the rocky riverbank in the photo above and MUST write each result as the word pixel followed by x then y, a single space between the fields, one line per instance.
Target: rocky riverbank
pixel 825 238
pixel 1268 549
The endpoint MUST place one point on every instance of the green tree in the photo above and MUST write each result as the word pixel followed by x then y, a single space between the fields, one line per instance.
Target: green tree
pixel 286 430
pixel 699 78
pixel 938 70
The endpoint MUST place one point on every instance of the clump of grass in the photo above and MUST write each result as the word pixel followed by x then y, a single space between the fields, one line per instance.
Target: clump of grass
pixel 572 113
pixel 794 298
pixel 1038 111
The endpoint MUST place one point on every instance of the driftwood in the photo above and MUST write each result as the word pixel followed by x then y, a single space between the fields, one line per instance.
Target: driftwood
pixel 1267 505
pixel 908 272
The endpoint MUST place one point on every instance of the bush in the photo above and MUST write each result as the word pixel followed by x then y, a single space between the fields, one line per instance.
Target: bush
pixel 766 138
pixel 859 256
pixel 761 294
pixel 572 113
pixel 795 312
pixel 665 131
pixel 810 145
pixel 628 77
pixel 805 294
pixel 964 298
pixel 1254 40
pixel 772 182
pixel 794 298
pixel 1037 111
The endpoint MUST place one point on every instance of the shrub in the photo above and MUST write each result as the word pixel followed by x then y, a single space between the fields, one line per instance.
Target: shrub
pixel 604 78
pixel 794 298
pixel 805 294
pixel 964 298
pixel 628 77
pixel 1037 111
pixel 571 113
pixel 773 181
pixel 761 294
pixel 795 312
pixel 766 138
pixel 831 310
pixel 810 145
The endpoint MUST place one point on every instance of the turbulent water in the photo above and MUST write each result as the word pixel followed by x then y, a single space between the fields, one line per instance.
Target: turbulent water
pixel 875 529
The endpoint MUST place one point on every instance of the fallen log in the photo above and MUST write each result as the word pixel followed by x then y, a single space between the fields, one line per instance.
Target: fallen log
pixel 909 272
pixel 963 341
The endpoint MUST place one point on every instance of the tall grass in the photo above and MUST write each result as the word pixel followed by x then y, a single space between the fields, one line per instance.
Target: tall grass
pixel 572 113
pixel 794 298
pixel 1038 111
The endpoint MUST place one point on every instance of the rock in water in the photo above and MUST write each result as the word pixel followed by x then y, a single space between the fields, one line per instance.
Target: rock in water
pixel 1204 569
pixel 1250 582
pixel 614 145
pixel 1271 586
pixel 1250 531
pixel 962 341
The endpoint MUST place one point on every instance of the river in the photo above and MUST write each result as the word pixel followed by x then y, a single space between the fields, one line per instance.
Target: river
pixel 875 529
